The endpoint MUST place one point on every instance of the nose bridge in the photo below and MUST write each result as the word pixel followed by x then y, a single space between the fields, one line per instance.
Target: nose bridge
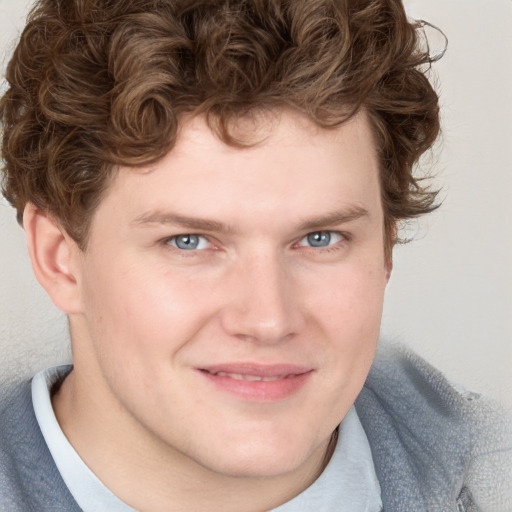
pixel 262 306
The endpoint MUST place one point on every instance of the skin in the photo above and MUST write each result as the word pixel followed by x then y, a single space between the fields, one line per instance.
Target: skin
pixel 147 316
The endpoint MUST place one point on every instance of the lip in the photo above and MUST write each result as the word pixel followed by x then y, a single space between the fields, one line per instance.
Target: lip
pixel 258 383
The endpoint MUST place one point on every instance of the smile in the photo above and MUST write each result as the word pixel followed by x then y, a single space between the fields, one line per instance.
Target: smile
pixel 252 378
pixel 257 383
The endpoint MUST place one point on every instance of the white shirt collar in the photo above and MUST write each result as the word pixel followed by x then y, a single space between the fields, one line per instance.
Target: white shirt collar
pixel 348 481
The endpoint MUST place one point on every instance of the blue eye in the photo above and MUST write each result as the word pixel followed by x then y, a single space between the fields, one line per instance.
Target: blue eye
pixel 321 239
pixel 188 242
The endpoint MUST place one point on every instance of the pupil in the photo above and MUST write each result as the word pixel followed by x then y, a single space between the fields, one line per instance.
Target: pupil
pixel 187 242
pixel 319 239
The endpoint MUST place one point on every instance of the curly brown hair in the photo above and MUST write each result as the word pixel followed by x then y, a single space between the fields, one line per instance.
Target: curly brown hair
pixel 97 84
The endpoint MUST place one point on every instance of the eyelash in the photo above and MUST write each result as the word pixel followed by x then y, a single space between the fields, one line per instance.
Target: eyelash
pixel 167 242
pixel 343 237
pixel 336 246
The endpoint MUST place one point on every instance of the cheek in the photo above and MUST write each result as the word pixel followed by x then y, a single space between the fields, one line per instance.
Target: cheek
pixel 349 315
pixel 144 310
pixel 351 296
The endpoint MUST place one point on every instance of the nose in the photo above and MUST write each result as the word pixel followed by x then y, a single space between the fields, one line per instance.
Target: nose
pixel 262 301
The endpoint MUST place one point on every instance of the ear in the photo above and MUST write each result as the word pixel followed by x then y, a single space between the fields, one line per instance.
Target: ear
pixel 55 258
pixel 391 237
pixel 389 266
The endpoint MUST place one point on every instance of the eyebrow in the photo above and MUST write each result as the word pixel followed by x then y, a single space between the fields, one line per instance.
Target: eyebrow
pixel 335 218
pixel 199 224
pixel 195 223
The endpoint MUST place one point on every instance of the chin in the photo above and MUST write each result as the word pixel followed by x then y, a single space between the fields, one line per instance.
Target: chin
pixel 263 460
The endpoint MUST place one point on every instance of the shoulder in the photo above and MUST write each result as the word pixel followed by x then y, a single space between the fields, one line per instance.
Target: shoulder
pixel 430 441
pixel 14 408
pixel 29 479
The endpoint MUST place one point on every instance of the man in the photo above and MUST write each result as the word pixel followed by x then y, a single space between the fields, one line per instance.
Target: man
pixel 210 191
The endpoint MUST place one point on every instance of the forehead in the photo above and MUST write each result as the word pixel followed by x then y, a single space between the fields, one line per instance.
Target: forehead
pixel 292 165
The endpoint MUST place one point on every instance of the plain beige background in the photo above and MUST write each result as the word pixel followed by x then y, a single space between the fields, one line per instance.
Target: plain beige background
pixel 450 295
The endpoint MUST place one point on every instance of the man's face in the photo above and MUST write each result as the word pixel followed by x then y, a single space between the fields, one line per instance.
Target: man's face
pixel 231 298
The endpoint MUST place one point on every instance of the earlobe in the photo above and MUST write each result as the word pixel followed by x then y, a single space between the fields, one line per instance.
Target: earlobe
pixel 389 267
pixel 391 235
pixel 54 256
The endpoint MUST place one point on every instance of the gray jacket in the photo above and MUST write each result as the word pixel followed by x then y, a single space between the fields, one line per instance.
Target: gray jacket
pixel 434 449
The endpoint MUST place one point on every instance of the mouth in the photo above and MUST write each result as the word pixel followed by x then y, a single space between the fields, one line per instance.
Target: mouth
pixel 251 378
pixel 258 383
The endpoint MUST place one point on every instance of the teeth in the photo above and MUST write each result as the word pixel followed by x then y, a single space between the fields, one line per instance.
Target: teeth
pixel 239 376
